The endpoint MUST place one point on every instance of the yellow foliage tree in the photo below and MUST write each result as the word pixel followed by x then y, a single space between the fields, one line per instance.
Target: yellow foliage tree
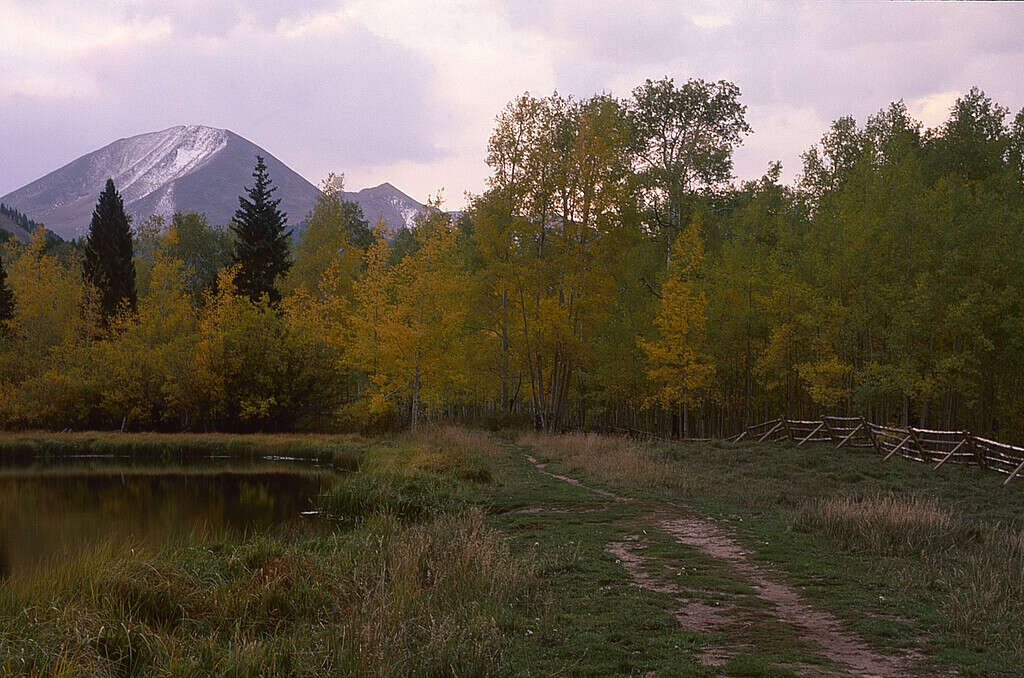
pixel 260 367
pixel 48 324
pixel 679 367
pixel 144 365
pixel 407 321
pixel 329 244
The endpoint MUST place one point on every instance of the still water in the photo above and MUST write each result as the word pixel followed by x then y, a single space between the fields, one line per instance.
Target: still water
pixel 49 511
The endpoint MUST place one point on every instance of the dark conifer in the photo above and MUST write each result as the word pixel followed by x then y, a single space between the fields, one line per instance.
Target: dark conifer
pixel 262 248
pixel 6 301
pixel 108 264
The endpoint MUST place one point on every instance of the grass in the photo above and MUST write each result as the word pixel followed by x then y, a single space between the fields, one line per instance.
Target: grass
pixel 448 554
pixel 978 568
pixel 416 584
pixel 382 600
pixel 884 524
pixel 908 556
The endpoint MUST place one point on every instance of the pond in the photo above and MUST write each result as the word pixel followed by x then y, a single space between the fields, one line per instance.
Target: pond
pixel 50 509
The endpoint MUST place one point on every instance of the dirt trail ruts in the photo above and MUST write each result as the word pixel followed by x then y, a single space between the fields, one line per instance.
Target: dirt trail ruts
pixel 692 615
pixel 822 628
pixel 541 466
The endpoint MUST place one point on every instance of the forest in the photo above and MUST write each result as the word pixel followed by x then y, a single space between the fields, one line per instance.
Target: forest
pixel 613 274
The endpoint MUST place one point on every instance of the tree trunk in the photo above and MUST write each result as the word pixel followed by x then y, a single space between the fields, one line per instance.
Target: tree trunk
pixel 415 399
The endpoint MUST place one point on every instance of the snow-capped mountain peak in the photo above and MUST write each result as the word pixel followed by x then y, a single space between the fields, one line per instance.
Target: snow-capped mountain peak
pixel 185 168
pixel 148 162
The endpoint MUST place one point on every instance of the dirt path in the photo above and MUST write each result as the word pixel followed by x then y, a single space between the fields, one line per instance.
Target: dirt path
pixel 540 466
pixel 692 614
pixel 821 628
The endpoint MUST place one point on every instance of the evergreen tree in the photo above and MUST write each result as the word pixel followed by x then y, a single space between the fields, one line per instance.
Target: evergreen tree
pixel 261 250
pixel 108 263
pixel 6 301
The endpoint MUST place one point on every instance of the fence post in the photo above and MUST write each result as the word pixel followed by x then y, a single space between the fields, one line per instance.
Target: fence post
pixel 789 431
pixel 978 455
pixel 831 434
pixel 772 430
pixel 953 451
pixel 810 435
pixel 917 442
pixel 1014 474
pixel 871 434
pixel 898 447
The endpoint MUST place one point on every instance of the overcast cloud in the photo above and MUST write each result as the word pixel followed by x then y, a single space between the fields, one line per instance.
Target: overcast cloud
pixel 407 91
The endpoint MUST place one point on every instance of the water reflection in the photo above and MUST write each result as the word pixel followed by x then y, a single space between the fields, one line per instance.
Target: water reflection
pixel 50 511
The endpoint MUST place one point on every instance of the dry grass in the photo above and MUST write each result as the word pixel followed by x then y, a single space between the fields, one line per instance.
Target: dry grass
pixel 980 569
pixel 436 608
pixel 986 587
pixel 388 599
pixel 886 524
pixel 610 459
pixel 446 451
pixel 463 438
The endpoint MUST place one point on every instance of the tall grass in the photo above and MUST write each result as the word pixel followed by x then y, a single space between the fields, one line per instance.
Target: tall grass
pixel 430 599
pixel 405 496
pixel 885 524
pixel 413 476
pixel 463 438
pixel 986 587
pixel 413 583
pixel 610 459
pixel 979 569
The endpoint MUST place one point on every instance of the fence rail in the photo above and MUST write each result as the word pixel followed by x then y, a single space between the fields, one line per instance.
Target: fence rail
pixel 928 446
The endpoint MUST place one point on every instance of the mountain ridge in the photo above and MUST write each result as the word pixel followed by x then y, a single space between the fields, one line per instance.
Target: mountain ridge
pixel 184 168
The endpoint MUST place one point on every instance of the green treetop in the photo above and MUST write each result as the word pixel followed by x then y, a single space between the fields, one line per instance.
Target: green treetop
pixel 108 264
pixel 262 248
pixel 6 300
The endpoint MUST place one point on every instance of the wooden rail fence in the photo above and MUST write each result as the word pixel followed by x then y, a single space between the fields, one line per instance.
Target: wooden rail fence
pixel 917 444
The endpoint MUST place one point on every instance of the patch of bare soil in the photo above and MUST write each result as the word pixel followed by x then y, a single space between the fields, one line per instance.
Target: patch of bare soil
pixel 692 615
pixel 817 626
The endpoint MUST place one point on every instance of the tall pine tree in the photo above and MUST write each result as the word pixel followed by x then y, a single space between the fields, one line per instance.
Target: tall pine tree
pixel 262 249
pixel 108 264
pixel 6 301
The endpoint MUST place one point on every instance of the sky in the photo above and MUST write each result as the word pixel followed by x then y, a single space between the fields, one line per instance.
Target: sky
pixel 406 91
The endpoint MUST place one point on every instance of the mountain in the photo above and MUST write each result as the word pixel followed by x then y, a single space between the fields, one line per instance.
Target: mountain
pixel 387 202
pixel 16 225
pixel 11 227
pixel 185 168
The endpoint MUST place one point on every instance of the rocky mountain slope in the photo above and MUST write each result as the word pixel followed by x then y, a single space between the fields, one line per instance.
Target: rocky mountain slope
pixel 185 168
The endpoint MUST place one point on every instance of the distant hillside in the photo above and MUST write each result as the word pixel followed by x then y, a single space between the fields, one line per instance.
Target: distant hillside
pixel 186 168
pixel 19 226
pixel 15 223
